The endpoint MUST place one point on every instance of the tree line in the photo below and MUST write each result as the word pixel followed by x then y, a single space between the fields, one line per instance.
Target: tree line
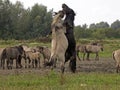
pixel 100 30
pixel 16 22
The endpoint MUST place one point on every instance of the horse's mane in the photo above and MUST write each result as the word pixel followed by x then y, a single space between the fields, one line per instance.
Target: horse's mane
pixel 55 20
pixel 57 17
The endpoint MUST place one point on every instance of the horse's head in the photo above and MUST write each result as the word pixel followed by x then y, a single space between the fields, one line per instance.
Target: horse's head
pixel 57 17
pixel 21 50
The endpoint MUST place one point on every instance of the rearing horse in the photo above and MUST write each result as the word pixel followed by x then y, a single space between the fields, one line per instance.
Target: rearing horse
pixel 59 42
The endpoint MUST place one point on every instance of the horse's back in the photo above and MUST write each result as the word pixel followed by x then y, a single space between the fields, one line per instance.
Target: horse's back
pixel 117 55
pixel 92 48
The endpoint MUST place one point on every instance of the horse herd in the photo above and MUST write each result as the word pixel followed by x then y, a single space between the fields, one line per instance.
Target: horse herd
pixel 59 45
pixel 32 55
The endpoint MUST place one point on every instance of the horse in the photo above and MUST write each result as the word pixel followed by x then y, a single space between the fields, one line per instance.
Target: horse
pixel 45 51
pixel 59 42
pixel 10 53
pixel 116 57
pixel 33 59
pixel 80 48
pixel 93 49
pixel 27 48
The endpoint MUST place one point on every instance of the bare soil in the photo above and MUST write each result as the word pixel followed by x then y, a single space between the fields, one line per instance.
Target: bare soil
pixel 104 65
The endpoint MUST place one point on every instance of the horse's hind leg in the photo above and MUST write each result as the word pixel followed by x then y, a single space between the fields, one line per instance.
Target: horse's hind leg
pixel 3 63
pixel 25 63
pixel 39 62
pixel 88 56
pixel 19 61
pixel 36 63
pixel 62 60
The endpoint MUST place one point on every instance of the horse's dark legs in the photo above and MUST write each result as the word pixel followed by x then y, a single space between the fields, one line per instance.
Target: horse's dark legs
pixel 33 61
pixel 3 63
pixel 29 61
pixel 117 68
pixel 25 62
pixel 71 55
pixel 10 63
pixel 78 55
pixel 36 63
pixel 88 55
pixel 39 62
pixel 84 56
pixel 72 63
pixel 19 61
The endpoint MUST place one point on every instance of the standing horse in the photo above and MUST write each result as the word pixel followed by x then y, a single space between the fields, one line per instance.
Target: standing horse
pixel 33 59
pixel 80 48
pixel 116 57
pixel 11 53
pixel 59 42
pixel 93 49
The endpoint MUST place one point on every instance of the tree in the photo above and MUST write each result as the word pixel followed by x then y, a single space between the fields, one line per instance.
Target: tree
pixel 115 25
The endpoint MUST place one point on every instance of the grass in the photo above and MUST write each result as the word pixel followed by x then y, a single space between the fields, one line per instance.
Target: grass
pixel 53 81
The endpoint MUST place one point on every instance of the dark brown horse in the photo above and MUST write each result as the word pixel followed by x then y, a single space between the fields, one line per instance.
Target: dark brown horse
pixel 11 53
pixel 69 24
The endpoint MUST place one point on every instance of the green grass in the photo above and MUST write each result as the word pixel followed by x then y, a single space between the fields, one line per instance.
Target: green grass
pixel 53 81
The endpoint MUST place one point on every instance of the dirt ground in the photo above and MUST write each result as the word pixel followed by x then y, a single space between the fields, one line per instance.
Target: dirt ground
pixel 104 65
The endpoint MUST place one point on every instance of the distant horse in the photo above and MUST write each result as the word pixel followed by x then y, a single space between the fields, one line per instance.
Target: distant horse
pixel 33 59
pixel 59 42
pixel 116 57
pixel 11 53
pixel 93 49
pixel 81 49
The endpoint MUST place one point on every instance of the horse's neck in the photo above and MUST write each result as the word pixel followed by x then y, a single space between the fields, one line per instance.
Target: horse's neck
pixel 56 20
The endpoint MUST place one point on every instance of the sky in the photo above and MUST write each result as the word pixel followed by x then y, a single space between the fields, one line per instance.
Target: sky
pixel 87 11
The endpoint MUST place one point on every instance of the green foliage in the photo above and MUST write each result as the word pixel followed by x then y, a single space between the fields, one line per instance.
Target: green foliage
pixel 19 23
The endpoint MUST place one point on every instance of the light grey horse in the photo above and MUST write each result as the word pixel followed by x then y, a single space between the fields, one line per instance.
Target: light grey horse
pixel 116 57
pixel 93 49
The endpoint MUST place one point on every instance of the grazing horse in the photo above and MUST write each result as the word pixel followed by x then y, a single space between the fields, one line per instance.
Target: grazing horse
pixel 59 42
pixel 116 57
pixel 11 53
pixel 93 49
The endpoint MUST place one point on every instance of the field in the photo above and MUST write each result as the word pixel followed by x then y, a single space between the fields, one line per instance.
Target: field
pixel 90 75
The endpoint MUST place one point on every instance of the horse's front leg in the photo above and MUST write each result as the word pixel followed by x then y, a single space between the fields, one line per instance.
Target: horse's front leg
pixel 88 55
pixel 97 56
pixel 84 56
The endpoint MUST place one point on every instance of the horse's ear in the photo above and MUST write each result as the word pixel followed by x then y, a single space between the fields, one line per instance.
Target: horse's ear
pixel 41 48
pixel 54 13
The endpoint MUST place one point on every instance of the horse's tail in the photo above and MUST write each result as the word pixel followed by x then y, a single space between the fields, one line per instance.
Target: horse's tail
pixel 3 56
pixel 113 56
pixel 50 62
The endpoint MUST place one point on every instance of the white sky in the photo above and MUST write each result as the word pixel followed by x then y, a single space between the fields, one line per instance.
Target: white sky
pixel 87 11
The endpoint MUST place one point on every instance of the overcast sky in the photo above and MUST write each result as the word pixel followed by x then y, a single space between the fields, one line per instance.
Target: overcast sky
pixel 87 11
